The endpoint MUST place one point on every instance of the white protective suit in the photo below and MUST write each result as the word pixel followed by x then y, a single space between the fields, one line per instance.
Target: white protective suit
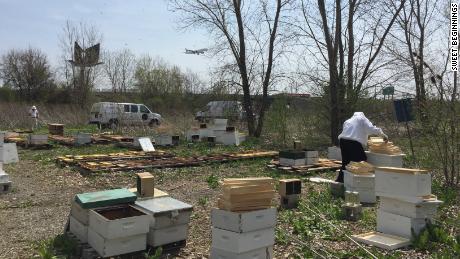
pixel 358 128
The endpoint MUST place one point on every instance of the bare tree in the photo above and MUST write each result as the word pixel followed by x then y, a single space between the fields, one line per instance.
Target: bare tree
pixel 193 83
pixel 417 24
pixel 249 32
pixel 28 71
pixel 154 77
pixel 119 68
pixel 346 59
pixel 80 79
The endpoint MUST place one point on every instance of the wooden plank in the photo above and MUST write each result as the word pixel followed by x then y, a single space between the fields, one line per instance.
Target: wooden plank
pixel 381 240
pixel 319 180
pixel 403 170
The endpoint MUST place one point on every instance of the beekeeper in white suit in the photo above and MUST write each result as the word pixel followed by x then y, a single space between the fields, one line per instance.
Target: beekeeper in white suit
pixel 34 117
pixel 353 140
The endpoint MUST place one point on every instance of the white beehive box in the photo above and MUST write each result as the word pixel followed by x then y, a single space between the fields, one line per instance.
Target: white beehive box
pixel 80 214
pixel 229 138
pixel 37 139
pixel 218 134
pixel 377 159
pixel 82 138
pixel 291 162
pixel 334 153
pixel 192 132
pixel 262 253
pixel 163 140
pixel 112 247
pixel 242 137
pixel 394 224
pixel 243 221
pixel 220 124
pixel 118 221
pixel 205 133
pixel 311 154
pixel 79 229
pixel 425 209
pixel 9 153
pixel 401 182
pixel 4 177
pixel 366 195
pixel 242 242
pixel 165 211
pixel 366 181
pixel 162 236
pixel 311 160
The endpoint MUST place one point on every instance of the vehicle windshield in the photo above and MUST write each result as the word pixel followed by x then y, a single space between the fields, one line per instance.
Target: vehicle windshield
pixel 144 109
pixel 96 107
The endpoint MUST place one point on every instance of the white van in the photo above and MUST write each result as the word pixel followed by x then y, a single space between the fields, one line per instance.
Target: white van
pixel 108 114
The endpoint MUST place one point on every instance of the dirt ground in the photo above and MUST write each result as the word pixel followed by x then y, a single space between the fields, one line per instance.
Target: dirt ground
pixel 39 204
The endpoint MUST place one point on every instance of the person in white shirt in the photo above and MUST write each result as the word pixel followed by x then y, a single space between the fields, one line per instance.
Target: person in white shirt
pixel 353 140
pixel 34 116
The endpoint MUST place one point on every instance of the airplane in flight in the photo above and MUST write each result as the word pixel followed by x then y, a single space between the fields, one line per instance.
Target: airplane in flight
pixel 196 51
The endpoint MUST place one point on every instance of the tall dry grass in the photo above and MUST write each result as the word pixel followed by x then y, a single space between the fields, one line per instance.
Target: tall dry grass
pixel 16 115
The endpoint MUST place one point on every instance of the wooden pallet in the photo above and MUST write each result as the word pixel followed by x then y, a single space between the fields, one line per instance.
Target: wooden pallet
pixel 62 140
pixel 129 155
pixel 19 140
pixel 116 138
pixel 121 164
pixel 37 146
pixel 322 165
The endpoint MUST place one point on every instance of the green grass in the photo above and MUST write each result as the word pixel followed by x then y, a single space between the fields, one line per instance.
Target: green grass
pixel 213 181
pixel 303 226
pixel 60 246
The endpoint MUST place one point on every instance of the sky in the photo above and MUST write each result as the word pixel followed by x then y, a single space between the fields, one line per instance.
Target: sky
pixel 143 26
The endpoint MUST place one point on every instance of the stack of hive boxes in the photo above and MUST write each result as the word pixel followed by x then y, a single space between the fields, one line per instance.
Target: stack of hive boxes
pixel 5 183
pixel 169 220
pixel 108 222
pixel 405 200
pixel 117 230
pixel 359 177
pixel 244 224
pixel 289 191
pixel 292 157
pixel 37 139
pixel 297 156
pixel 219 131
pixel 8 151
pixel 311 157
pixel 383 153
pixel 229 136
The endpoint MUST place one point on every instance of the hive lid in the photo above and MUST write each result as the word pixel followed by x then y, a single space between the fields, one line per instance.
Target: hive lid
pixel 163 204
pixel 105 198
pixel 402 170
pixel 385 241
